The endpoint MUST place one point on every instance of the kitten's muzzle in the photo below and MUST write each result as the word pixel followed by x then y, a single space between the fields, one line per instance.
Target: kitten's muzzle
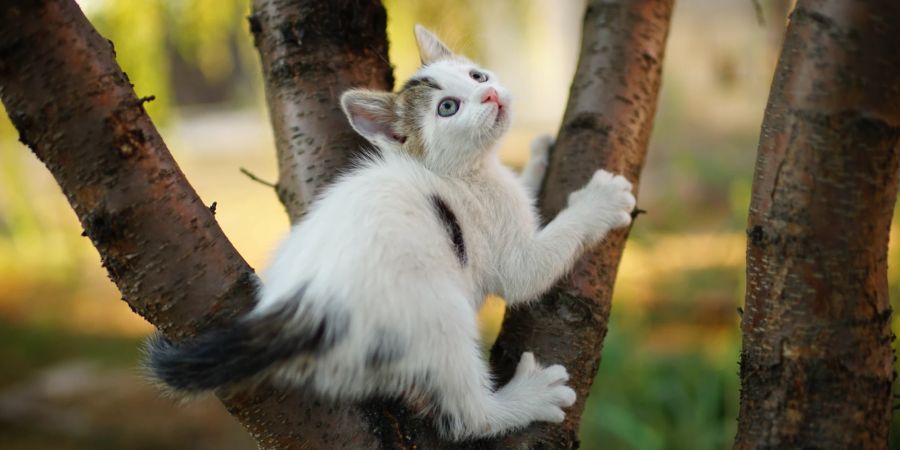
pixel 491 96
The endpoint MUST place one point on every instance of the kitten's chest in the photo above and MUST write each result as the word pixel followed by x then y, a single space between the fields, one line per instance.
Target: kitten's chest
pixel 495 213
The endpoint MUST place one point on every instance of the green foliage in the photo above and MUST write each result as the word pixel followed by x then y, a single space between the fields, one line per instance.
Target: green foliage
pixel 139 40
pixel 645 400
pixel 201 32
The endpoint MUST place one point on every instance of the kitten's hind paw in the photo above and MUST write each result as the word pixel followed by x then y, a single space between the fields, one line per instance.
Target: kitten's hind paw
pixel 540 392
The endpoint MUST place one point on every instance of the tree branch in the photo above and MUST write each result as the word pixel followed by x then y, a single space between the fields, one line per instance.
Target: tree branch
pixel 160 244
pixel 311 52
pixel 257 179
pixel 75 108
pixel 607 124
pixel 817 362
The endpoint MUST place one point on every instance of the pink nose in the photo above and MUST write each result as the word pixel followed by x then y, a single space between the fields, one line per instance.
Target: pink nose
pixel 490 96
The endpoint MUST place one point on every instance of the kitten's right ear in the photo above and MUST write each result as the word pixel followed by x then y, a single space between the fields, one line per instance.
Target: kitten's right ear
pixel 371 114
pixel 431 48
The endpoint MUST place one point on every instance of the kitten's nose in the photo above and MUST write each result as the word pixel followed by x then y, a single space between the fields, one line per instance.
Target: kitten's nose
pixel 491 96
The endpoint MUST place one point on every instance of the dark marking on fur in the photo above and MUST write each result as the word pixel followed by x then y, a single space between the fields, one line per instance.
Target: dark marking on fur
pixel 448 219
pixel 413 103
pixel 243 349
pixel 421 81
pixel 386 348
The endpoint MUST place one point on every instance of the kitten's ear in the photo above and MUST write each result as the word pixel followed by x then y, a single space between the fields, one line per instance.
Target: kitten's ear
pixel 371 114
pixel 431 48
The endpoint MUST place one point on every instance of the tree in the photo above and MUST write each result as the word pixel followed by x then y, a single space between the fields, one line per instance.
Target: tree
pixel 78 113
pixel 817 363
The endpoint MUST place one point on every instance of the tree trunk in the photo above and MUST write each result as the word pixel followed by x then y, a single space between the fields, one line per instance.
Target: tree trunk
pixel 816 364
pixel 162 247
pixel 311 52
pixel 160 244
pixel 607 124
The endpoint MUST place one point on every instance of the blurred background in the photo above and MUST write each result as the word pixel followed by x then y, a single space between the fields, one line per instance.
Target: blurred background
pixel 668 379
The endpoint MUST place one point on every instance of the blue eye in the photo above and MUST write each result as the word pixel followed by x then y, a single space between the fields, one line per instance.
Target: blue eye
pixel 448 107
pixel 480 77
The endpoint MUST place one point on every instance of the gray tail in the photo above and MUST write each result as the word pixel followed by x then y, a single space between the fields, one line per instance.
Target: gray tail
pixel 239 351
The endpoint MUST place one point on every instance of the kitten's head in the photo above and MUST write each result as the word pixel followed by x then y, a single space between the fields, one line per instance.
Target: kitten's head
pixel 448 114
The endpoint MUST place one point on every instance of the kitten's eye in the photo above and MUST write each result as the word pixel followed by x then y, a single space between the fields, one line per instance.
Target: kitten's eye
pixel 480 77
pixel 448 107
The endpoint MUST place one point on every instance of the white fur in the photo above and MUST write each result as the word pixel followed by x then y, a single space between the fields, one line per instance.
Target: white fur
pixel 373 249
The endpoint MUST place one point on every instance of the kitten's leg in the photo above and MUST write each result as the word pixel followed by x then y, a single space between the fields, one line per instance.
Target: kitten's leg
pixel 530 268
pixel 533 174
pixel 468 408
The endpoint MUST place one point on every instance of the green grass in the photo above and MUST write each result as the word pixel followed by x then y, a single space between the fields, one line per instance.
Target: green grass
pixel 684 400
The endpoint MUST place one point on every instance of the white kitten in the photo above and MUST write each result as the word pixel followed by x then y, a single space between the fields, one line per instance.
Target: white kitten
pixel 375 292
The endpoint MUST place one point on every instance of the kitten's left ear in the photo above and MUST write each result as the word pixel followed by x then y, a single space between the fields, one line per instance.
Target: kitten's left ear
pixel 371 114
pixel 431 48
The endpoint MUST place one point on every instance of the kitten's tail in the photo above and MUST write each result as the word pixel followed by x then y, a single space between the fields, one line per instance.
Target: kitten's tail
pixel 240 351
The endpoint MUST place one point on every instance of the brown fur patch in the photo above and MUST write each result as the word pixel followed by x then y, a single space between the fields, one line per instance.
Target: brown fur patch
pixel 413 102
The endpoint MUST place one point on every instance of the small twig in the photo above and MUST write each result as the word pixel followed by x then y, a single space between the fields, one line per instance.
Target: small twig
pixel 212 208
pixel 636 212
pixel 146 99
pixel 258 179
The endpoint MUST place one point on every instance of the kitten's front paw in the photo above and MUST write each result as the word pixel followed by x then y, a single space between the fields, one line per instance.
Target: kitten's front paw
pixel 607 197
pixel 540 149
pixel 533 174
pixel 541 391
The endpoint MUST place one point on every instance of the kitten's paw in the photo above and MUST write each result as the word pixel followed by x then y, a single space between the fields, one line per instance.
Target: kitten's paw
pixel 540 149
pixel 533 174
pixel 541 391
pixel 608 197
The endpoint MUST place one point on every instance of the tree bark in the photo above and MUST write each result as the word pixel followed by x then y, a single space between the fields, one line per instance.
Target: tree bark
pixel 162 247
pixel 311 52
pixel 160 244
pixel 816 363
pixel 607 124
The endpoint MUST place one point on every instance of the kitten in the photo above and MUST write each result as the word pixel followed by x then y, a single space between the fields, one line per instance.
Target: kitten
pixel 375 292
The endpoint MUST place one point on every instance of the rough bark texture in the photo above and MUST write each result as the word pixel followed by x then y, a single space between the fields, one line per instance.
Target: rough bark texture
pixel 161 245
pixel 607 124
pixel 816 364
pixel 77 111
pixel 312 51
